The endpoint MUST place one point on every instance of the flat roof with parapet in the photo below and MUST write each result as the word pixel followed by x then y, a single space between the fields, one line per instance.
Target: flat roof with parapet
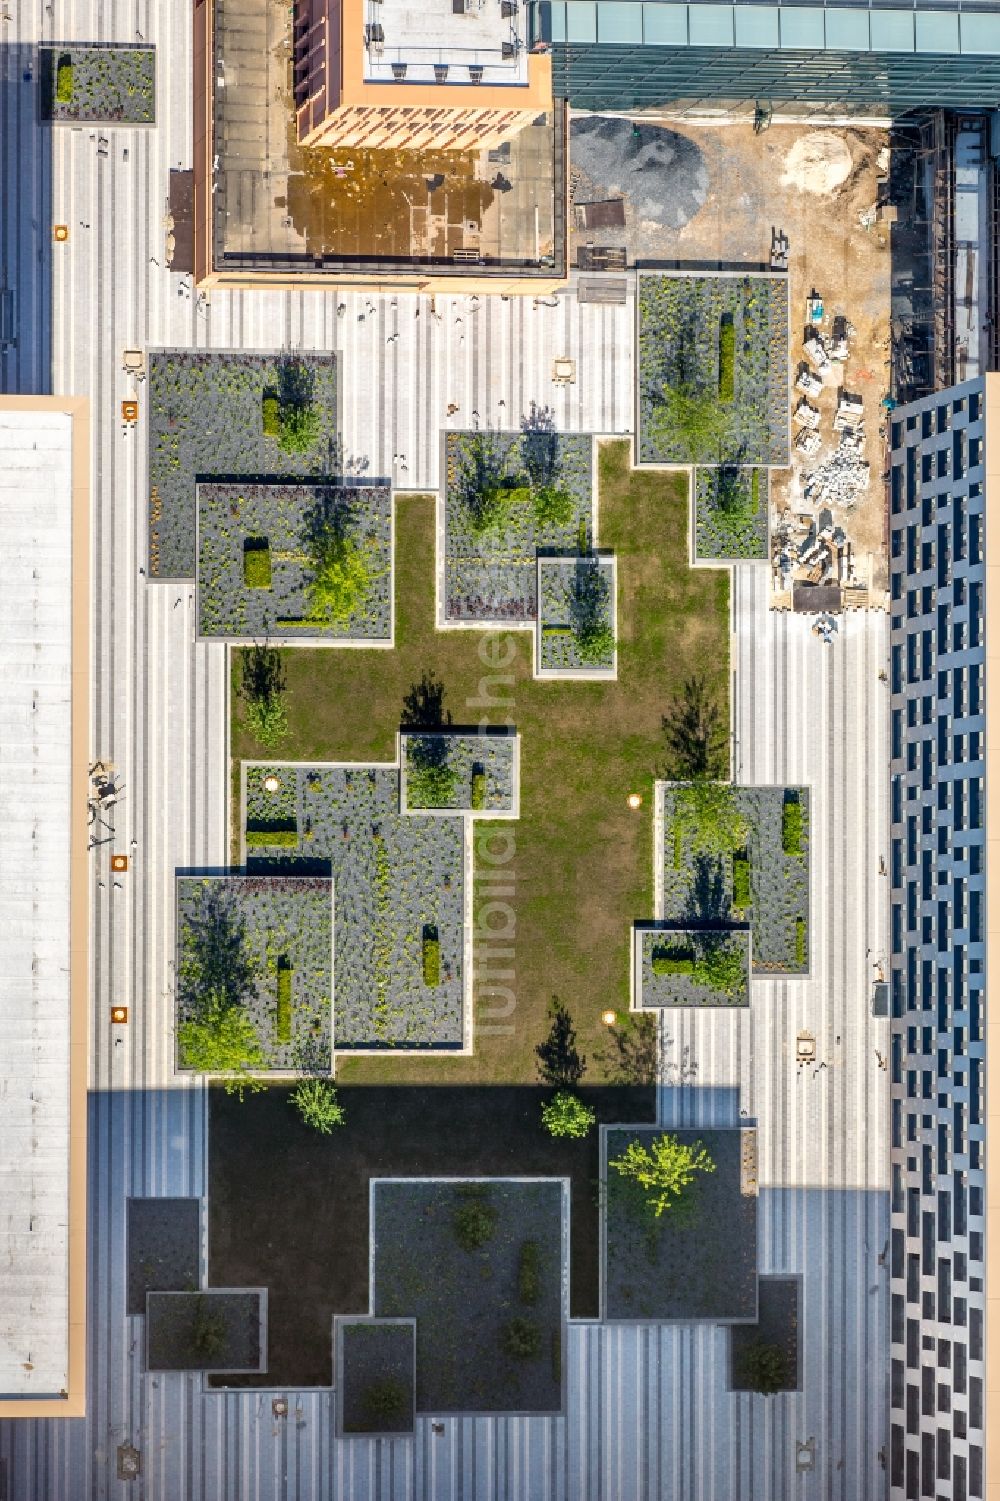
pixel 43 970
pixel 458 34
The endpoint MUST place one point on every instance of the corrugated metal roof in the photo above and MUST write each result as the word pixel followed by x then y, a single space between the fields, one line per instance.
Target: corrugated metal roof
pixel 35 760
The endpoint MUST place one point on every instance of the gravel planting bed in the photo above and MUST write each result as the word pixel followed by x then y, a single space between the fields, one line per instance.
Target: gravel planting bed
pixel 276 522
pixel 698 1261
pixel 491 575
pixel 577 594
pixel 466 1300
pixel 681 351
pixel 375 1377
pixel 478 775
pixel 206 420
pixel 204 1331
pixel 700 885
pixel 105 85
pixel 777 1324
pixel 397 881
pixel 164 1248
pixel 731 513
pixel 671 966
pixel 288 924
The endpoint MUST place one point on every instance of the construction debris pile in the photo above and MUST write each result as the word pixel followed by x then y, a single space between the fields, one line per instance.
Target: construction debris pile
pixel 811 546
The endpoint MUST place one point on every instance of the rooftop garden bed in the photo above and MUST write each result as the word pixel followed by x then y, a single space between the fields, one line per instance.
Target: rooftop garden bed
pixel 206 1331
pixel 254 973
pixel 164 1248
pixel 399 884
pixel 298 562
pixel 459 772
pixel 764 1357
pixel 741 853
pixel 713 369
pixel 697 1260
pixel 210 415
pixel 678 966
pixel 375 1382
pixel 576 617
pixel 730 513
pixel 509 496
pixel 99 85
pixel 479 1265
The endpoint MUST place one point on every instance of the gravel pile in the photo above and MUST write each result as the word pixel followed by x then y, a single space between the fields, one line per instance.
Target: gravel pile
pixel 663 175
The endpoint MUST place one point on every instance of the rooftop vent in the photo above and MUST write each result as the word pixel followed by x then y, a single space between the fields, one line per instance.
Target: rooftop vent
pixel 475 73
pixel 399 70
pixel 440 72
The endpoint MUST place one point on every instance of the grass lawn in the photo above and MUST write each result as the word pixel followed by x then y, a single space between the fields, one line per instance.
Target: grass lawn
pixel 583 863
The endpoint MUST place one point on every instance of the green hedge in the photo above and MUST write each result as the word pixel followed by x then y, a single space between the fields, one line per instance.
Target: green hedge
pixel 791 827
pixel 478 798
pixel 741 881
pixel 755 490
pixel 64 81
pixel 283 1026
pixel 256 563
pixel 528 1272
pixel 727 358
pixel 270 413
pixel 283 832
pixel 431 957
pixel 800 941
pixel 673 961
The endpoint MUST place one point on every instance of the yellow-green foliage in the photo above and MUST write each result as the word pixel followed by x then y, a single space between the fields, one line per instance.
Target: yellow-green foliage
pixel 270 411
pixel 256 563
pixel 283 1023
pixel 478 799
pixel 673 961
pixel 431 957
pixel 741 881
pixel 64 81
pixel 283 834
pixel 727 358
pixel 791 827
pixel 800 941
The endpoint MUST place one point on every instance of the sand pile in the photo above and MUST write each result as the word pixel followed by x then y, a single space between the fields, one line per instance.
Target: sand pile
pixel 817 163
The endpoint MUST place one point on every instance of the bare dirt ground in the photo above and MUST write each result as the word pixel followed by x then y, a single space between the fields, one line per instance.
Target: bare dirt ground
pixel 736 177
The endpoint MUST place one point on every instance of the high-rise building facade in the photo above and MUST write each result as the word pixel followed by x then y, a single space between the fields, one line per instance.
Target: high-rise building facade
pixel 939 479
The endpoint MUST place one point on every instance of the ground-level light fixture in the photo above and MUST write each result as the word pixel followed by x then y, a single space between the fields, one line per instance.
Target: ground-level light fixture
pixel 609 1017
pixel 119 862
pixel 271 783
pixel 279 1407
pixel 635 800
pixel 130 411
pixel 60 233
pixel 119 1015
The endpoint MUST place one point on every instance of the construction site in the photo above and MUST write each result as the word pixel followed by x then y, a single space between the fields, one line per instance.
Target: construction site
pixel 880 232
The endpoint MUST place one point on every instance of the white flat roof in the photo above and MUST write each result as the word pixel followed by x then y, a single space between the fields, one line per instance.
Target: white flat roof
pixel 458 33
pixel 35 785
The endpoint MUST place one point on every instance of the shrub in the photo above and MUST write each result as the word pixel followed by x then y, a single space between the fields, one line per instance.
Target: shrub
pixel 222 1042
pixel 341 576
pixel 565 1115
pixel 300 428
pixel 528 1272
pixel 522 1338
pixel 755 490
pixel 385 1401
pixel 552 507
pixel 316 1102
pixel 727 358
pixel 280 832
pixel 475 1219
pixel 800 942
pixel 283 1022
pixel 431 957
pixel 695 732
pixel 721 966
pixel 741 880
pixel 672 960
pixel 270 412
pixel 663 1170
pixel 217 968
pixel 478 797
pixel 256 563
pixel 430 786
pixel 791 825
pixel 763 1368
pixel 559 1061
pixel 595 642
pixel 64 81
pixel 490 508
pixel 709 818
pixel 266 720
